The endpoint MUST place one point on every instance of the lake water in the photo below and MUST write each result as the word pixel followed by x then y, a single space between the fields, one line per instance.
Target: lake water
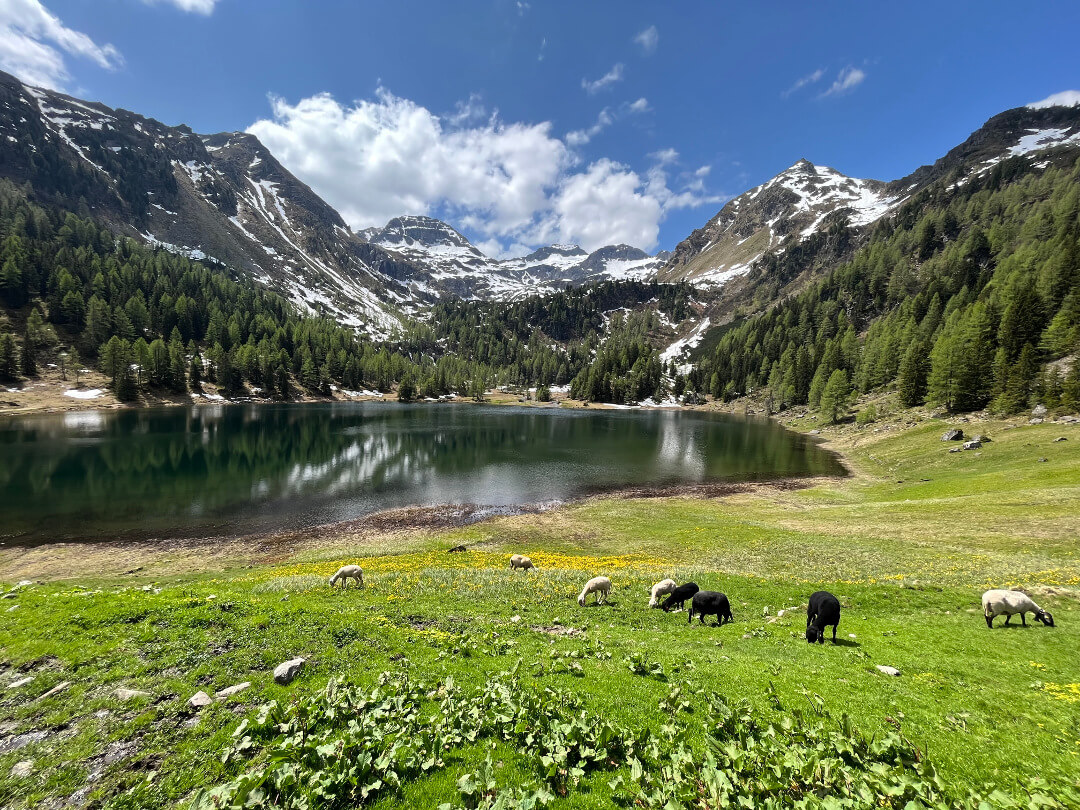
pixel 238 469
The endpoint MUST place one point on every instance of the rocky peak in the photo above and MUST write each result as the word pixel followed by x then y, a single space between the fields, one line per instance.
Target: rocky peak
pixel 423 231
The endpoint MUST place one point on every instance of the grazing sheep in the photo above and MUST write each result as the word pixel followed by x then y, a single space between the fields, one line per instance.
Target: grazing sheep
pixel 519 561
pixel 678 597
pixel 1007 603
pixel 823 610
pixel 661 588
pixel 601 586
pixel 348 572
pixel 710 603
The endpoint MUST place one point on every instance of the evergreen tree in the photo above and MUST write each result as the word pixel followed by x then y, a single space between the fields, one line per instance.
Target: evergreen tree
pixel 914 369
pixel 28 361
pixel 836 397
pixel 9 366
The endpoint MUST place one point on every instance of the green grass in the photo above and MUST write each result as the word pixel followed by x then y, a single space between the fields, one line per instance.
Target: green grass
pixel 909 559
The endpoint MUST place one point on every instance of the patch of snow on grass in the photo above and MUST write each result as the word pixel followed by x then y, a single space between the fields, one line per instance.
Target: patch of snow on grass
pixel 75 393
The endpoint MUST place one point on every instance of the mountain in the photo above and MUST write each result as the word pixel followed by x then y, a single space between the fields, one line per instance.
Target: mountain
pixel 440 262
pixel 221 198
pixel 806 198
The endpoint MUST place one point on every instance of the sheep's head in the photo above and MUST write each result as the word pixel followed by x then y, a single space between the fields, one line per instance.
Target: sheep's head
pixel 813 634
pixel 1045 617
pixel 332 580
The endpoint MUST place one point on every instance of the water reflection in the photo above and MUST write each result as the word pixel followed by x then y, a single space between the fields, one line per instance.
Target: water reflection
pixel 213 469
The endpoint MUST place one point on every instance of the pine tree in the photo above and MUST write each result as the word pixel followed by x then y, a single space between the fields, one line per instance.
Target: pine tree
pixel 9 366
pixel 836 397
pixel 28 361
pixel 914 369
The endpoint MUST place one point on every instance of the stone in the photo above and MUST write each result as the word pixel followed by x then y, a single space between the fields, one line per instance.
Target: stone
pixel 229 691
pixel 60 687
pixel 10 595
pixel 286 672
pixel 21 770
pixel 956 450
pixel 129 694
pixel 815 432
pixel 1043 460
pixel 954 435
pixel 9 744
pixel 979 437
pixel 884 670
pixel 21 682
pixel 1039 410
pixel 22 583
pixel 1035 421
pixel 515 619
pixel 1061 439
pixel 972 445
pixel 199 700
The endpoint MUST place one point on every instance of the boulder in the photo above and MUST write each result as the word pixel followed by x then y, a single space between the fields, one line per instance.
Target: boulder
pixel 956 449
pixel 229 691
pixel 1043 459
pixel 199 700
pixel 1061 439
pixel 884 670
pixel 972 445
pixel 21 770
pixel 1036 421
pixel 286 672
pixel 954 435
pixel 129 694
pixel 981 438
pixel 1039 410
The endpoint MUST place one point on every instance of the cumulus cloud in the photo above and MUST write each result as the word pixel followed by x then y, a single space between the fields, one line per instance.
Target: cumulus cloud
pixel 611 77
pixel 648 40
pixel 639 106
pixel 809 78
pixel 848 79
pixel 1066 98
pixel 196 6
pixel 33 44
pixel 514 185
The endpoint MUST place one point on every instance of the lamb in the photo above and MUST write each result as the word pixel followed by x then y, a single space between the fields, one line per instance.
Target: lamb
pixel 999 602
pixel 348 572
pixel 601 586
pixel 710 603
pixel 822 611
pixel 661 588
pixel 678 597
pixel 522 562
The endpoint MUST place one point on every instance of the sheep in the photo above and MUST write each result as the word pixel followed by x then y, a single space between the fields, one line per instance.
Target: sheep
pixel 822 611
pixel 346 572
pixel 601 586
pixel 519 561
pixel 661 588
pixel 998 602
pixel 710 603
pixel 679 596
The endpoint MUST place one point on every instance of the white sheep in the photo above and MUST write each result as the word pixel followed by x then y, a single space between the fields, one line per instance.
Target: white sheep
pixel 348 572
pixel 522 562
pixel 661 588
pixel 1008 603
pixel 601 586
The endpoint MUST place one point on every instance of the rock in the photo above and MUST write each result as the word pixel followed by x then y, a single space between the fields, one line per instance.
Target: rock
pixel 229 691
pixel 1061 439
pixel 60 687
pixel 9 744
pixel 515 619
pixel 815 432
pixel 455 549
pixel 780 614
pixel 286 672
pixel 981 438
pixel 10 595
pixel 1039 410
pixel 954 435
pixel 1043 460
pixel 21 770
pixel 956 450
pixel 1035 421
pixel 884 670
pixel 129 694
pixel 21 682
pixel 972 445
pixel 199 700
pixel 22 583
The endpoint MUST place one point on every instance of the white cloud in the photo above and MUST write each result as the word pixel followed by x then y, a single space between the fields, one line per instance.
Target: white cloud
pixel 611 77
pixel 847 79
pixel 522 7
pixel 196 6
pixel 543 47
pixel 648 40
pixel 639 106
pixel 1066 98
pixel 809 78
pixel 33 42
pixel 513 185
pixel 580 137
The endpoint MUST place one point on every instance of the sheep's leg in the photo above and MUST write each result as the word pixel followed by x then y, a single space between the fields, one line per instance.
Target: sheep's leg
pixel 1007 617
pixel 1023 618
pixel 989 621
pixel 834 632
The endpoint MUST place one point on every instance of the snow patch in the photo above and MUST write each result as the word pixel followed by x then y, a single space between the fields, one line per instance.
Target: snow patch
pixel 75 393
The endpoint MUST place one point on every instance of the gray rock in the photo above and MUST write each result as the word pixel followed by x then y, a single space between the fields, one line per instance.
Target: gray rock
pixel 884 670
pixel 1035 421
pixel 285 672
pixel 129 694
pixel 199 700
pixel 1039 410
pixel 956 449
pixel 60 687
pixel 972 445
pixel 229 691
pixel 1043 459
pixel 954 435
pixel 815 432
pixel 9 744
pixel 21 682
pixel 981 438
pixel 10 595
pixel 1061 439
pixel 21 770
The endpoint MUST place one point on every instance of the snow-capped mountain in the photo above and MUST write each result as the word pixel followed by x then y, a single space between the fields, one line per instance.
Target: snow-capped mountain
pixel 803 199
pixel 443 262
pixel 213 197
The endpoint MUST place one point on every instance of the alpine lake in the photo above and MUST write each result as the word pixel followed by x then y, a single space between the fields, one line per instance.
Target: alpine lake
pixel 213 470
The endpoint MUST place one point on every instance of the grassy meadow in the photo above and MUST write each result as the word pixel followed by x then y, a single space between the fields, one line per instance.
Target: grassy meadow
pixel 552 704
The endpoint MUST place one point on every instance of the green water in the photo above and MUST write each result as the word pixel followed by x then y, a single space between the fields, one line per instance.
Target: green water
pixel 238 469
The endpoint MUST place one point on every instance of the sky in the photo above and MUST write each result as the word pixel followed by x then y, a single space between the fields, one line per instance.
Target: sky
pixel 530 122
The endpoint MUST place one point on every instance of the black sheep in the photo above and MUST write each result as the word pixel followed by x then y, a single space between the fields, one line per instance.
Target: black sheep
pixel 679 596
pixel 710 603
pixel 823 610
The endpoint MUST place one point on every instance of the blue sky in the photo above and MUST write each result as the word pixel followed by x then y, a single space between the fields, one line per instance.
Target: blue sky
pixel 524 123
